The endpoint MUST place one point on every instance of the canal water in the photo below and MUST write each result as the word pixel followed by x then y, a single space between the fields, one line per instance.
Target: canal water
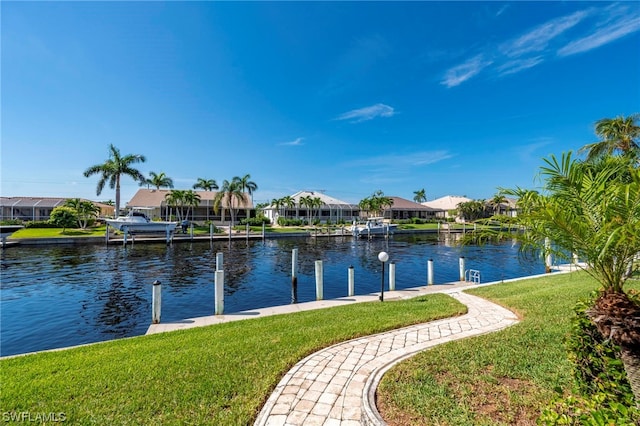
pixel 64 295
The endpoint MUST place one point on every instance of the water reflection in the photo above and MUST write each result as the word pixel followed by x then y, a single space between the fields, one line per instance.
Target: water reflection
pixel 65 295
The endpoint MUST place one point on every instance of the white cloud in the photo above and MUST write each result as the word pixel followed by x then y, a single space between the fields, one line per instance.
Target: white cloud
pixel 606 34
pixel 518 65
pixel 538 39
pixel 415 159
pixel 367 113
pixel 295 142
pixel 463 72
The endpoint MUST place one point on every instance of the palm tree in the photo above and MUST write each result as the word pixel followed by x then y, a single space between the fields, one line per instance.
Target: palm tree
pixel 160 180
pixel 112 169
pixel 191 200
pixel 229 194
pixel 619 135
pixel 496 202
pixel 420 196
pixel 593 210
pixel 277 204
pixel 85 210
pixel 246 186
pixel 288 202
pixel 205 184
pixel 472 210
pixel 307 202
pixel 316 203
pixel 176 199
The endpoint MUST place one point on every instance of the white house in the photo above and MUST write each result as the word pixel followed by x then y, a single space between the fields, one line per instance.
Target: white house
pixel 332 209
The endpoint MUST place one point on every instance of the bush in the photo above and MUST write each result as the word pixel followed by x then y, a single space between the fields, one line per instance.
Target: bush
pixel 283 221
pixel 40 224
pixel 605 394
pixel 11 222
pixel 256 221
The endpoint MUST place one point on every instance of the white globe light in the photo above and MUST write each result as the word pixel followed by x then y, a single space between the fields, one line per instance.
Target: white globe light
pixel 383 256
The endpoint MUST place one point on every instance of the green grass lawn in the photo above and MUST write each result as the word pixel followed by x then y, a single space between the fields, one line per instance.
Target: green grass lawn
pixel 500 378
pixel 58 233
pixel 218 375
pixel 223 374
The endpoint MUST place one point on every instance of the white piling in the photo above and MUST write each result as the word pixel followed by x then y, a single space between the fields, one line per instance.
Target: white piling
pixel 219 261
pixel 247 228
pixel 191 230
pixel 106 234
pixel 548 260
pixel 156 302
pixel 462 268
pixel 319 283
pixel 263 233
pixel 294 277
pixel 392 276
pixel 351 277
pixel 219 293
pixel 430 272
pixel 124 237
pixel 211 231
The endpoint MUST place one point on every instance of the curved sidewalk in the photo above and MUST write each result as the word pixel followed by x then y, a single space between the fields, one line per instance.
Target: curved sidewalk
pixel 336 385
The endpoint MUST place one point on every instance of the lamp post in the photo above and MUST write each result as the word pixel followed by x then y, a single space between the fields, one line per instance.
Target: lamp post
pixel 383 256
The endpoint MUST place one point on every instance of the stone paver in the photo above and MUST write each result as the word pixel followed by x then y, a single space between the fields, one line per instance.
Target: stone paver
pixel 341 380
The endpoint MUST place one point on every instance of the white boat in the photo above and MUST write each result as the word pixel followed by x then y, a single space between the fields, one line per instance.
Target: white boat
pixel 372 226
pixel 139 222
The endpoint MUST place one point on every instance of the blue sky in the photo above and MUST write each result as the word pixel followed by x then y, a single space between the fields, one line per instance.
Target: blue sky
pixel 458 98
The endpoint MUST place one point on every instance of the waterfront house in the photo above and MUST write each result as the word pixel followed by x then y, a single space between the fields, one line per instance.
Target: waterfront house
pixel 331 210
pixel 153 203
pixel 38 208
pixel 447 206
pixel 405 209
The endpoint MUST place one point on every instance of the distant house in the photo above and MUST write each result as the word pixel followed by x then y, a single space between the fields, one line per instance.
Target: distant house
pixel 444 206
pixel 153 203
pixel 405 209
pixel 38 208
pixel 332 209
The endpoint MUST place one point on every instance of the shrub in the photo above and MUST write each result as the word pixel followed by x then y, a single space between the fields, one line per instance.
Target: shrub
pixel 40 224
pixel 63 217
pixel 256 221
pixel 605 394
pixel 11 222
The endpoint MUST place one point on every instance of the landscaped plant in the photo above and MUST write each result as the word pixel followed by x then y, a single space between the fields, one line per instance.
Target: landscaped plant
pixel 86 211
pixel 63 217
pixel 591 210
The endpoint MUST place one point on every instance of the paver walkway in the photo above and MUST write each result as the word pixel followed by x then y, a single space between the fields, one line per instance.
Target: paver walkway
pixel 336 385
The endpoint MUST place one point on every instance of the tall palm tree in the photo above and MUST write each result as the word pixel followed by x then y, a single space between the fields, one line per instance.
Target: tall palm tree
pixel 618 135
pixel 277 204
pixel 159 180
pixel 176 199
pixel 307 202
pixel 420 196
pixel 191 200
pixel 496 202
pixel 246 186
pixel 205 184
pixel 231 196
pixel 316 203
pixel 112 169
pixel 288 202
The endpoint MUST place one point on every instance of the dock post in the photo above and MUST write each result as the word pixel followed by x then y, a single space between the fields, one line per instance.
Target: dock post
pixel 247 231
pixel 211 231
pixel 219 292
pixel 462 268
pixel 430 272
pixel 294 278
pixel 156 302
pixel 263 233
pixel 106 234
pixel 124 238
pixel 351 276
pixel 191 229
pixel 319 279
pixel 548 260
pixel 392 276
pixel 219 260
